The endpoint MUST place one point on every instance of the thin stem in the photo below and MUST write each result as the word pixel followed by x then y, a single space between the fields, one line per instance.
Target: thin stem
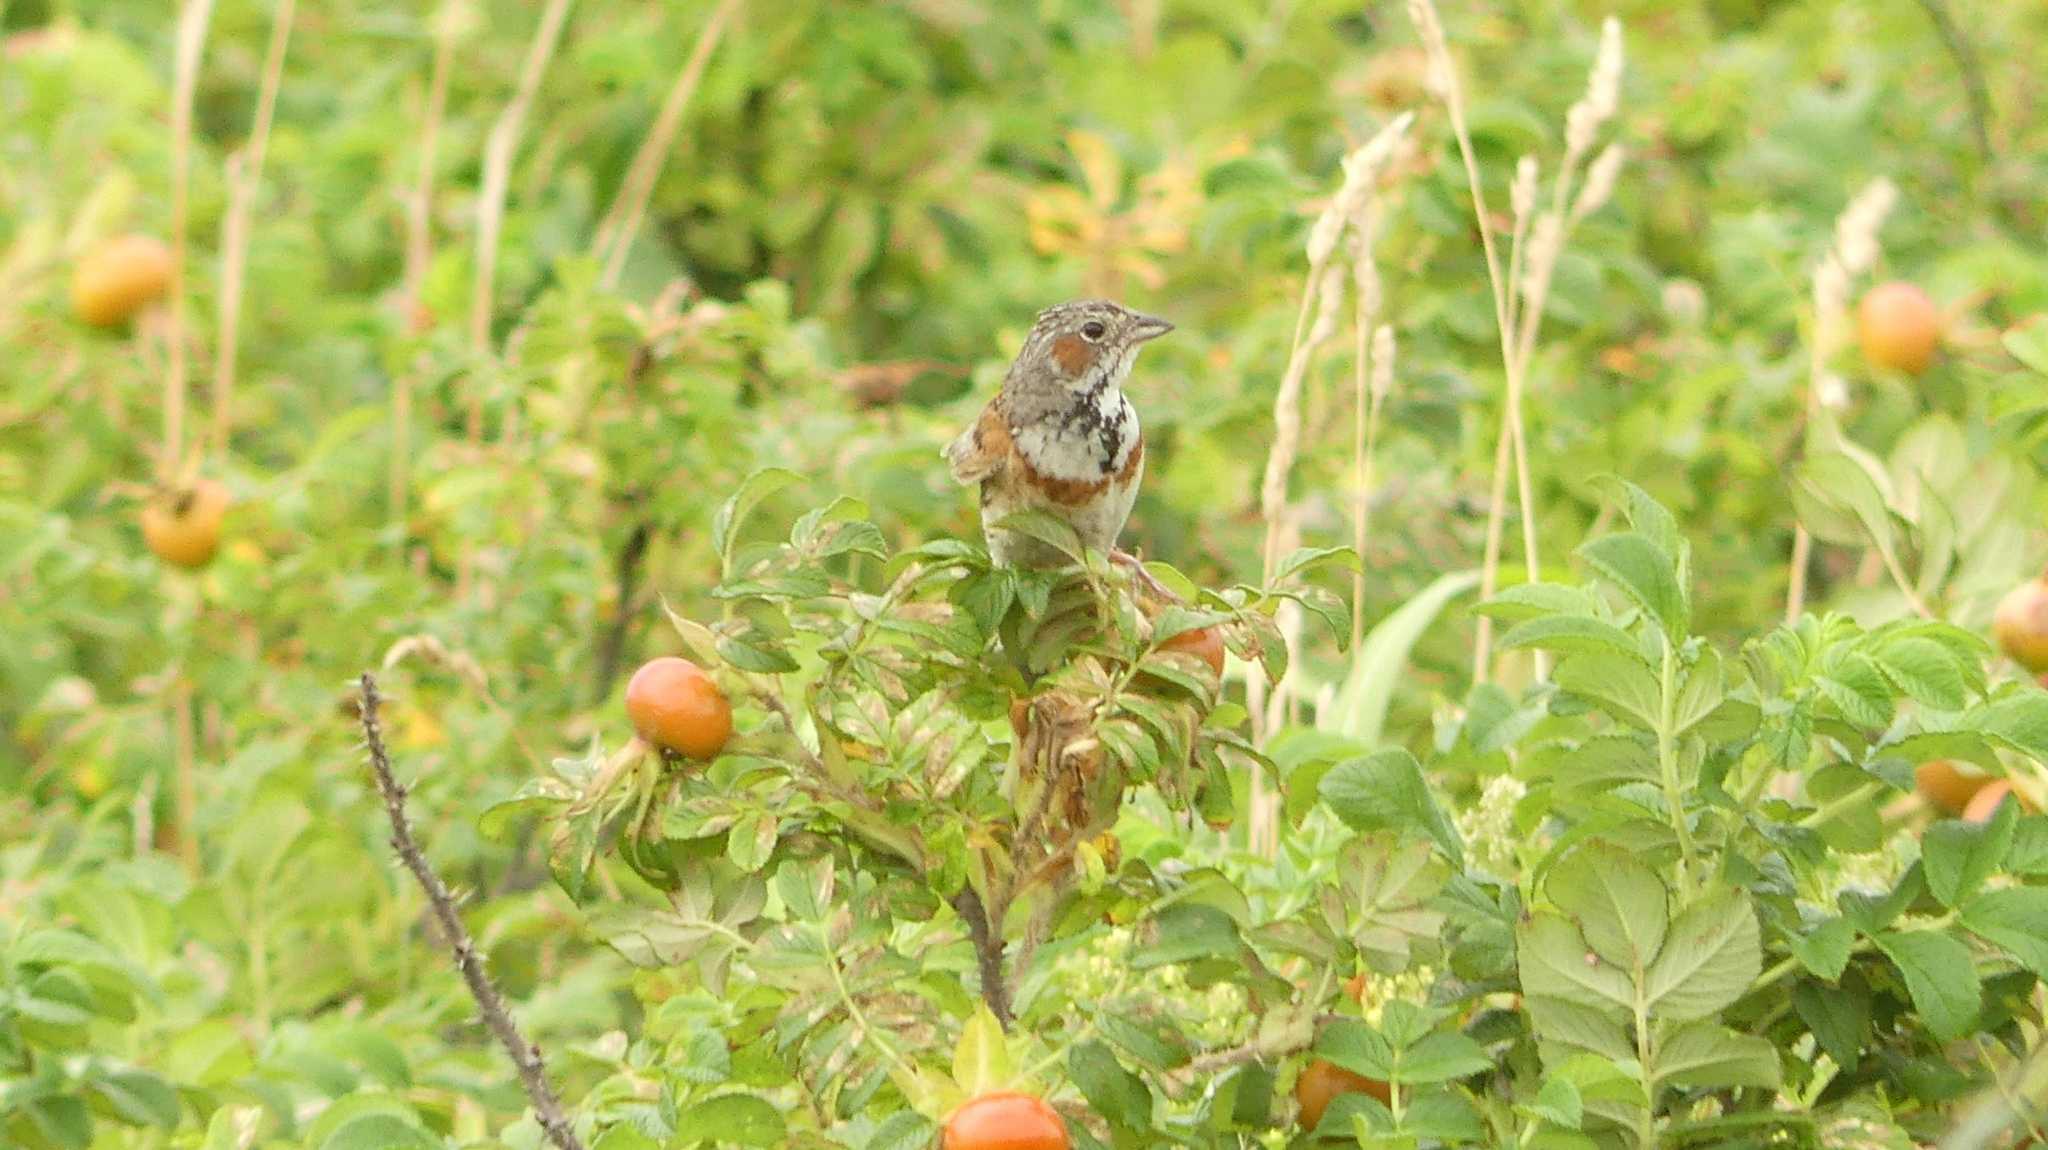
pixel 499 150
pixel 191 46
pixel 622 220
pixel 419 252
pixel 245 179
pixel 186 782
pixel 1835 806
pixel 868 1034
pixel 1667 761
pixel 490 1005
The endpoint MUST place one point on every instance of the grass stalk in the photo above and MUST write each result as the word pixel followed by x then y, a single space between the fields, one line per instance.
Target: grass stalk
pixel 244 180
pixel 499 150
pixel 419 255
pixel 622 220
pixel 193 19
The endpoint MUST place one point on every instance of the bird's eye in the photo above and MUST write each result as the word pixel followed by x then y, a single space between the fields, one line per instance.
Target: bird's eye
pixel 1093 330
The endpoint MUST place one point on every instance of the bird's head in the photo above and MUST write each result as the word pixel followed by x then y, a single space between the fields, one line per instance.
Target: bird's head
pixel 1083 345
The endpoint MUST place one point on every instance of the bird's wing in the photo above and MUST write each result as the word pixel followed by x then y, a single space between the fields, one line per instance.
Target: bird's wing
pixel 981 451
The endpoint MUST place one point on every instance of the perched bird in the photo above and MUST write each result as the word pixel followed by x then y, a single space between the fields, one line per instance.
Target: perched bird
pixel 1060 437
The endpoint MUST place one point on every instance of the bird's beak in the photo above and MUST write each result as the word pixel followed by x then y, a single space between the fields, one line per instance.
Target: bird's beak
pixel 1145 328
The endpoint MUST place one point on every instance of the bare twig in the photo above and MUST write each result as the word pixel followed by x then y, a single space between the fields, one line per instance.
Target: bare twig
pixel 490 1004
pixel 245 178
pixel 622 220
pixel 499 151
pixel 191 46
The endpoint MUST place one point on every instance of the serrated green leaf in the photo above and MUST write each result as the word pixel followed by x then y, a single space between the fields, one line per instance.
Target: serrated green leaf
pixel 1556 962
pixel 1113 1091
pixel 742 1119
pixel 1939 976
pixel 1838 1018
pixel 1646 574
pixel 1570 635
pixel 2015 918
pixel 1711 955
pixel 1387 791
pixel 1619 904
pixel 1621 686
pixel 732 514
pixel 1711 1056
pixel 1956 857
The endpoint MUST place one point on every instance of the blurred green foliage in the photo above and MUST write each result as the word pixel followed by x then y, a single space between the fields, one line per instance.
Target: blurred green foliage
pixel 866 204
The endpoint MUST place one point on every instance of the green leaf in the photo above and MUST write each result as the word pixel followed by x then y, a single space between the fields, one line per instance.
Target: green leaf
pixel 1558 1103
pixel 1387 791
pixel 1621 686
pixel 2015 918
pixel 1708 1055
pixel 1956 857
pixel 1939 976
pixel 1712 954
pixel 2019 721
pixel 903 1130
pixel 1571 635
pixel 1441 1058
pixel 1380 660
pixel 2028 343
pixel 137 1097
pixel 378 1132
pixel 737 1118
pixel 1837 1016
pixel 1113 1091
pixel 1356 1047
pixel 1859 690
pixel 981 1060
pixel 1620 905
pixel 1645 573
pixel 751 840
pixel 1526 601
pixel 1556 962
pixel 1189 931
pixel 732 514
pixel 1825 949
pixel 1047 529
pixel 1925 671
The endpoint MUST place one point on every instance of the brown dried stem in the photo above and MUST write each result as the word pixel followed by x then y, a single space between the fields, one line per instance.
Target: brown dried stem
pixel 490 1005
pixel 622 220
pixel 499 150
pixel 419 253
pixel 191 46
pixel 244 179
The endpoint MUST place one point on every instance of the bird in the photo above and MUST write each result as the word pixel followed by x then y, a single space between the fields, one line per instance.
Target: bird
pixel 1060 436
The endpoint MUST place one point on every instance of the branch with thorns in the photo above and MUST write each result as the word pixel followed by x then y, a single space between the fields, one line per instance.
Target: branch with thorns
pixel 490 1005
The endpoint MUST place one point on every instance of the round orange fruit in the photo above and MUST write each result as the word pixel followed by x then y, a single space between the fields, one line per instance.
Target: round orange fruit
pixel 183 527
pixel 1947 786
pixel 116 279
pixel 676 706
pixel 1006 1120
pixel 2020 625
pixel 1899 327
pixel 1321 1082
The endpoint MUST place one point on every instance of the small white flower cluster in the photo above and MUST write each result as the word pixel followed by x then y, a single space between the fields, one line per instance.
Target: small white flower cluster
pixel 1215 1016
pixel 1488 826
pixel 1408 986
pixel 1854 252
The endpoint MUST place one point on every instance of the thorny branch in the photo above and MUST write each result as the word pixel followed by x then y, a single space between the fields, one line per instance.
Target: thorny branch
pixel 490 1005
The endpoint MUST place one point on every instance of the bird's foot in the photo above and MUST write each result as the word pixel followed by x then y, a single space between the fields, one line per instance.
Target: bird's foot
pixel 1144 577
